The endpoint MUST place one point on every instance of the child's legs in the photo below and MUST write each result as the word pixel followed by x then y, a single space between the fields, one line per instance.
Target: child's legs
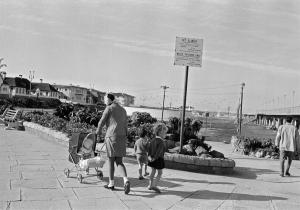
pixel 158 176
pixel 153 171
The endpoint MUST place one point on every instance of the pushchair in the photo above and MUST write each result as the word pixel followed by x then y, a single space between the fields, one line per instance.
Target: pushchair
pixel 82 153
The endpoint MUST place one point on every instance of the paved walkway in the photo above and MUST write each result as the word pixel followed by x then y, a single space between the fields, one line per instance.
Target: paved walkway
pixel 31 177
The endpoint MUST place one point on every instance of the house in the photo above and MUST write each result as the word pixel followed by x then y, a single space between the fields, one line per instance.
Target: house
pixel 14 86
pixel 76 94
pixel 44 90
pixel 18 86
pixel 124 99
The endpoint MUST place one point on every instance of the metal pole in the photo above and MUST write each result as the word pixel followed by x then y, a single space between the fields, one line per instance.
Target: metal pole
pixel 241 110
pixel 183 107
pixel 163 107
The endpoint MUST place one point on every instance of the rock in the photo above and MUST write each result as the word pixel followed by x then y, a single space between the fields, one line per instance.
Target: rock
pixel 200 150
pixel 203 155
pixel 216 154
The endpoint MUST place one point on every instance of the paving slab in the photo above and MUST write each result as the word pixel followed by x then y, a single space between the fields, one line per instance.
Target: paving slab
pixel 28 194
pixel 32 178
pixel 96 204
pixel 38 205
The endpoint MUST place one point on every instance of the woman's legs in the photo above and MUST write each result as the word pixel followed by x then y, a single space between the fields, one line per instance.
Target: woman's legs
pixel 111 169
pixel 120 165
pixel 122 169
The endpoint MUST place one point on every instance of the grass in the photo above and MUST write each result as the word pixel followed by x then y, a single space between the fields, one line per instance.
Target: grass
pixel 222 129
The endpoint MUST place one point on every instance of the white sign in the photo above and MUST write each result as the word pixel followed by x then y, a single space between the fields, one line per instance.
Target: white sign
pixel 188 52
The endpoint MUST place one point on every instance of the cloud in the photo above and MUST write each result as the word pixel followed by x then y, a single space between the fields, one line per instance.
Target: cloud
pixel 253 65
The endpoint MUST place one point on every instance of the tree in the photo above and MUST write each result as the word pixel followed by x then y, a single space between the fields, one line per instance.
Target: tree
pixel 2 64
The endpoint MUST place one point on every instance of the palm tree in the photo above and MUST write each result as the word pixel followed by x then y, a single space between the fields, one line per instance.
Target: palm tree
pixel 2 65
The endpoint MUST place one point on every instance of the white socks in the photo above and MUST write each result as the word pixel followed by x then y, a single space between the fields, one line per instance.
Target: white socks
pixel 125 179
pixel 111 183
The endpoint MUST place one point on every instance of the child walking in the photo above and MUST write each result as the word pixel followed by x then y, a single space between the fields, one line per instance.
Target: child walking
pixel 156 153
pixel 141 149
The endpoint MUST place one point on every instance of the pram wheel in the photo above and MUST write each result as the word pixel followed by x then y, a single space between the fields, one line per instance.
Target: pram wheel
pixel 67 172
pixel 100 175
pixel 79 177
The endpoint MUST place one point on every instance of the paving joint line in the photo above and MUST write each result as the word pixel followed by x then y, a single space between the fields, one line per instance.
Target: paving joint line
pixel 69 203
pixel 75 193
pixel 226 198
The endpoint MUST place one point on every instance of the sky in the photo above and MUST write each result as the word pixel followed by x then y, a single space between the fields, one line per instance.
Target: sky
pixel 128 46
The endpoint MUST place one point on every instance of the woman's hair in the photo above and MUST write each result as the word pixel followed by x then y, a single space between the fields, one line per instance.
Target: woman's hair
pixel 142 132
pixel 110 96
pixel 158 127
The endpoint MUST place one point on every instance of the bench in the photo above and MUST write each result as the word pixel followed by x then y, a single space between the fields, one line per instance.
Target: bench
pixel 10 118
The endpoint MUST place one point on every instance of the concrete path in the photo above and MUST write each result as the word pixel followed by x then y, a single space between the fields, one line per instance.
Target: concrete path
pixel 32 177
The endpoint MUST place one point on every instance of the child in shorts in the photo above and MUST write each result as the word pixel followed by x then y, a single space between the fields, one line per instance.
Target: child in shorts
pixel 156 153
pixel 141 149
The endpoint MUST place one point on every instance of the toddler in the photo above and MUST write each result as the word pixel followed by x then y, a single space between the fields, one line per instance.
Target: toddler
pixel 156 153
pixel 140 149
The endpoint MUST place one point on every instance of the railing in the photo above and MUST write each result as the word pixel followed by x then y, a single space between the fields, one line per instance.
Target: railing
pixel 281 111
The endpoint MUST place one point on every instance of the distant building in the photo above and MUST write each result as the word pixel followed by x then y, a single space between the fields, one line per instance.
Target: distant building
pixel 124 99
pixel 18 86
pixel 13 86
pixel 81 95
pixel 44 90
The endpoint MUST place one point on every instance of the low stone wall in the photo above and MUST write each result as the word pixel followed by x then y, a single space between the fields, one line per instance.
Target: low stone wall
pixel 173 161
pixel 47 133
pixel 197 164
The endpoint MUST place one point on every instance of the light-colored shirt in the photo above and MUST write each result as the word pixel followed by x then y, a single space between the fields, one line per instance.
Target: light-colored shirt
pixel 287 138
pixel 141 146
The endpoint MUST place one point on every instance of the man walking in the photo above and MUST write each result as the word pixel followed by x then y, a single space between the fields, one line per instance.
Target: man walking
pixel 115 119
pixel 287 139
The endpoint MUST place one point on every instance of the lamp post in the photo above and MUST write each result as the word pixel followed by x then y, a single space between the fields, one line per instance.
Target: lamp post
pixel 163 107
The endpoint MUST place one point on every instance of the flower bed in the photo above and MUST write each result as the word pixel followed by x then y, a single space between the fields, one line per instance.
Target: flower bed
pixel 260 148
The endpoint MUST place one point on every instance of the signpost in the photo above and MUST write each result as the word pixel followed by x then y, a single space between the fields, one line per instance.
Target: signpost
pixel 188 52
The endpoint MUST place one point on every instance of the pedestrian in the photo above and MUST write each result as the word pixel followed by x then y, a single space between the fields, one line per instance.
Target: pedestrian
pixel 114 118
pixel 156 153
pixel 287 139
pixel 141 151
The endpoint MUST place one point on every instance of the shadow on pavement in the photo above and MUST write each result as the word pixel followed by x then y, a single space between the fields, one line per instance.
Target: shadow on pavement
pixel 250 173
pixel 211 195
pixel 195 181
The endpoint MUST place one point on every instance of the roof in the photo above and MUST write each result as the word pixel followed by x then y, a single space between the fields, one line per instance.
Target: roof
pixel 122 94
pixel 17 82
pixel 43 87
pixel 68 86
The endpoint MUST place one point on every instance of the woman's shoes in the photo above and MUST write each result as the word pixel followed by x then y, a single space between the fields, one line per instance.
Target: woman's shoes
pixel 146 174
pixel 141 178
pixel 109 187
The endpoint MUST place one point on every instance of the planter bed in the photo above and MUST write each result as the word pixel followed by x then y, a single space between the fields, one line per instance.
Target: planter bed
pixel 173 161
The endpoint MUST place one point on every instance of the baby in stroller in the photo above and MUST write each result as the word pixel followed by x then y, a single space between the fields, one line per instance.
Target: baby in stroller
pixel 85 157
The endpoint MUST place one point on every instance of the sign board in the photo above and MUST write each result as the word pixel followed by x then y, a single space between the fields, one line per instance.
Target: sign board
pixel 188 52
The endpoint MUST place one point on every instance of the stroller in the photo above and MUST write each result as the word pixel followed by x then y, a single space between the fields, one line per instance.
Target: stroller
pixel 82 153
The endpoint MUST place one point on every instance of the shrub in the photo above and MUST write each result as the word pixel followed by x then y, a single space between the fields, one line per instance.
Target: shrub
pixel 139 118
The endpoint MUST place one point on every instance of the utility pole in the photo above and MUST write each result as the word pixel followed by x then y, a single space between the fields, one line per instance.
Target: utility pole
pixel 163 107
pixel 293 101
pixel 241 108
pixel 31 77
